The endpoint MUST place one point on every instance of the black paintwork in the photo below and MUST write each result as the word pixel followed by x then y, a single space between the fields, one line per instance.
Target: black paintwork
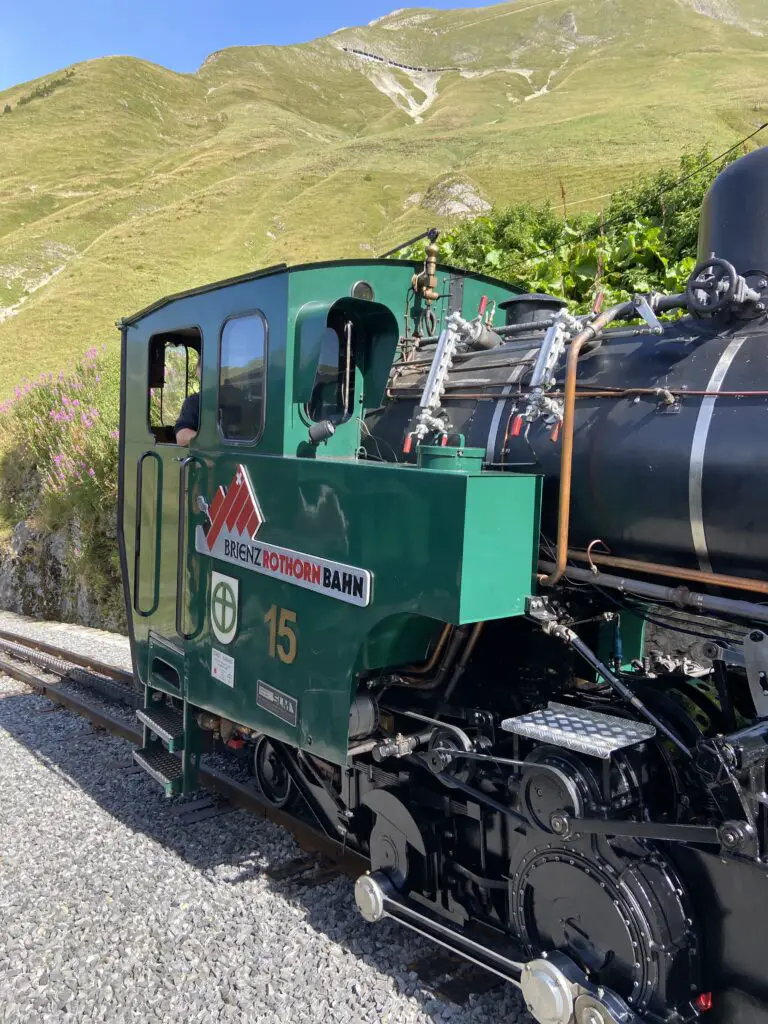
pixel 632 454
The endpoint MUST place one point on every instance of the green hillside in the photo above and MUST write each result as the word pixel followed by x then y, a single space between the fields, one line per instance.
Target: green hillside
pixel 121 181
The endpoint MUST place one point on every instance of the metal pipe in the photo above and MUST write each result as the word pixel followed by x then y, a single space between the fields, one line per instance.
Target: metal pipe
pixel 412 390
pixel 448 659
pixel 363 748
pixel 420 670
pixel 458 672
pixel 569 417
pixel 681 597
pixel 509 330
pixel 707 579
pixel 568 636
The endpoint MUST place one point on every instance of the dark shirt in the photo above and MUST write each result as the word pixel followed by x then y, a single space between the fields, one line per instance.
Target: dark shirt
pixel 189 417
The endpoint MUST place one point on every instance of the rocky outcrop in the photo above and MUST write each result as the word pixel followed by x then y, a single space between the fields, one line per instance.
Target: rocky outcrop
pixel 39 577
pixel 454 197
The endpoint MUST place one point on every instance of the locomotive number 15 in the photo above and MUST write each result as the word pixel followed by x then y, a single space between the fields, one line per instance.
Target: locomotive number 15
pixel 282 636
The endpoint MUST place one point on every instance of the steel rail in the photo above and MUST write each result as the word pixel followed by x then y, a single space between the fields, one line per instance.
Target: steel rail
pixel 64 654
pixel 310 839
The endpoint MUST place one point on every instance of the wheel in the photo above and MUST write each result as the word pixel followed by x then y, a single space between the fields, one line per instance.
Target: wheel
pixel 711 286
pixel 272 777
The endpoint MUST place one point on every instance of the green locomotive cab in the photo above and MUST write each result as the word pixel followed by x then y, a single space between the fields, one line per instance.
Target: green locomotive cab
pixel 273 566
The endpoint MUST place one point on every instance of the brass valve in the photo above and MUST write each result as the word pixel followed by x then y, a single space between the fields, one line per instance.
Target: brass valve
pixel 425 283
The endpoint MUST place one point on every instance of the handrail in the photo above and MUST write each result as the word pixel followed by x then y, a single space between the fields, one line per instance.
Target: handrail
pixel 137 534
pixel 182 547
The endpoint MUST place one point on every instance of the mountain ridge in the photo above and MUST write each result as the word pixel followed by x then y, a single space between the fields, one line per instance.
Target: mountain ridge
pixel 128 180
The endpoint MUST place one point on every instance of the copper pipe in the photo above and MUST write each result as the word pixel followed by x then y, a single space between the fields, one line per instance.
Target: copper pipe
pixel 711 579
pixel 458 637
pixel 407 391
pixel 679 596
pixel 466 654
pixel 569 421
pixel 472 643
pixel 427 666
pixel 608 392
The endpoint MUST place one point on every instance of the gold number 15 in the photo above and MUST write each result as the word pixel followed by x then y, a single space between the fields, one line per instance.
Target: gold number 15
pixel 282 637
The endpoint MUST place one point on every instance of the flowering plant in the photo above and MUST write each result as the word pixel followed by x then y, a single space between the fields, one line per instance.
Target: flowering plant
pixel 59 455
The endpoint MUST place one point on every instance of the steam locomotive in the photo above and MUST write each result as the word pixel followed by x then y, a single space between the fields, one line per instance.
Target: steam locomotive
pixel 488 599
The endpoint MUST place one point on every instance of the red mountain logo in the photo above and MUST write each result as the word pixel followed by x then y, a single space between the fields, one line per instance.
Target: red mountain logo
pixel 234 509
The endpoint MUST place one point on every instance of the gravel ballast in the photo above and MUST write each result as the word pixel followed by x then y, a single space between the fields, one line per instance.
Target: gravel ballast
pixel 113 909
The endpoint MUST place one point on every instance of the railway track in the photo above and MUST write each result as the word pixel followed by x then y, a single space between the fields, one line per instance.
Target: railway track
pixel 18 652
pixel 48 669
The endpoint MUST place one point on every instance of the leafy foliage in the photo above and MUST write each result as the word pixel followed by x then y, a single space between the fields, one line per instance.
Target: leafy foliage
pixel 58 467
pixel 644 241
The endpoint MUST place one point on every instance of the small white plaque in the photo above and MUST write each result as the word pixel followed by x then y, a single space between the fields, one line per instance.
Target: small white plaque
pixel 222 667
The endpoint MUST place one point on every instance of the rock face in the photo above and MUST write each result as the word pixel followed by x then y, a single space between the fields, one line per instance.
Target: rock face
pixel 453 197
pixel 39 578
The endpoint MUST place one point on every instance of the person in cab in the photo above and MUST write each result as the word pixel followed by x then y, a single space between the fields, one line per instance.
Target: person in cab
pixel 188 423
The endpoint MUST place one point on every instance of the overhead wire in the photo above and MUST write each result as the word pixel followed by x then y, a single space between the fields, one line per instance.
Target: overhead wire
pixel 663 191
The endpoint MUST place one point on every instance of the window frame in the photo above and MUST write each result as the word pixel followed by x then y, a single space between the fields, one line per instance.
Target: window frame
pixel 148 411
pixel 219 432
pixel 306 415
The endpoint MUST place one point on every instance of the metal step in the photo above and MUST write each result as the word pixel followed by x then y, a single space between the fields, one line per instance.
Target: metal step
pixel 166 722
pixel 588 732
pixel 163 766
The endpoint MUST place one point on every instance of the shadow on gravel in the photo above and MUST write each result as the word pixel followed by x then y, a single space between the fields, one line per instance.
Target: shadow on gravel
pixel 237 847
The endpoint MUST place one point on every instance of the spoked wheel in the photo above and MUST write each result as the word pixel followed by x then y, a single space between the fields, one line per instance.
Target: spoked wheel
pixel 272 778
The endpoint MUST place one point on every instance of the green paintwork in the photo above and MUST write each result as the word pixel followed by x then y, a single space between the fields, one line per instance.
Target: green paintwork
pixel 443 545
pixel 450 459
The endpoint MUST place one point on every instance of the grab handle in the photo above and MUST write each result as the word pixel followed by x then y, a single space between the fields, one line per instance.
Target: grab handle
pixel 137 534
pixel 182 549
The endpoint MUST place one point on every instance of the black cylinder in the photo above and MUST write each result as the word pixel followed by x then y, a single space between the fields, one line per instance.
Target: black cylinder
pixel 734 217
pixel 681 484
pixel 533 308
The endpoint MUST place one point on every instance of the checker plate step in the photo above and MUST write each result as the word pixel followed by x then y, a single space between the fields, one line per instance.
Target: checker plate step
pixel 588 732
pixel 165 722
pixel 164 768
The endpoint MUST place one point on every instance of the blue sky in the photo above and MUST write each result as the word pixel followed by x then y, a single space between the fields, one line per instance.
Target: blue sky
pixel 40 37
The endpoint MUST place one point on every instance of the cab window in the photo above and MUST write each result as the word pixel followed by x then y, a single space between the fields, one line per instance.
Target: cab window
pixel 333 392
pixel 173 363
pixel 242 361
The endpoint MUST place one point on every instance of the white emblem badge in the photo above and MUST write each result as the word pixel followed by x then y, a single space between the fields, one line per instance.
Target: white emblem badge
pixel 224 610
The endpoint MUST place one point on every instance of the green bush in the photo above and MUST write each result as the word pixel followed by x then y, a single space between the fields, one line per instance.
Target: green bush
pixel 644 241
pixel 58 462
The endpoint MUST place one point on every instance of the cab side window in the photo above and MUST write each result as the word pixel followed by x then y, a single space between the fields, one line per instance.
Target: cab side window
pixel 173 375
pixel 333 392
pixel 242 377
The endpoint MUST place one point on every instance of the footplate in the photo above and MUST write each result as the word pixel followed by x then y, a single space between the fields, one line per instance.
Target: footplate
pixel 588 732
pixel 165 768
pixel 166 723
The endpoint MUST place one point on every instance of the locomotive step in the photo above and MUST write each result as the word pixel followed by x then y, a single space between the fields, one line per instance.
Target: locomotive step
pixel 163 766
pixel 166 723
pixel 588 732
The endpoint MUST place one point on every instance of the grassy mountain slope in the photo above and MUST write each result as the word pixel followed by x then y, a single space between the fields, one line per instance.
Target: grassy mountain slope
pixel 127 181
